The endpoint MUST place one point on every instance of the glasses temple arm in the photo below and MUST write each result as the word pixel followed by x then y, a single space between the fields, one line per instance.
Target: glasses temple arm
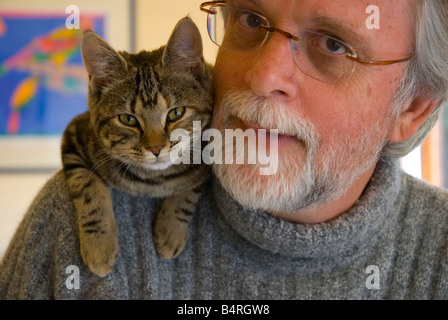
pixel 378 63
pixel 203 6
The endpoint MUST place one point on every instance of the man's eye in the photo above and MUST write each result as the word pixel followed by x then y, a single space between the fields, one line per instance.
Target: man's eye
pixel 250 20
pixel 334 46
pixel 331 45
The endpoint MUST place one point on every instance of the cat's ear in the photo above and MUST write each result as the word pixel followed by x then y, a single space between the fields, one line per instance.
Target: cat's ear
pixel 100 60
pixel 184 48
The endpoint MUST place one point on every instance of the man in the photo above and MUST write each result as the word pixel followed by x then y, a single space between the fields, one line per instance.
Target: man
pixel 338 219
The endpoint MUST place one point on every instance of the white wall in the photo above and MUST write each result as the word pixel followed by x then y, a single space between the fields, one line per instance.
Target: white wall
pixel 156 19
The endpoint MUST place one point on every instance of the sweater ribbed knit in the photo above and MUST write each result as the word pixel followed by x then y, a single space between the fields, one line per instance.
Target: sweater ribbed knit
pixel 398 227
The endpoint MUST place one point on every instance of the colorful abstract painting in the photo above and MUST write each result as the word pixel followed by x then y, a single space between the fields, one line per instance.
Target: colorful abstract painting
pixel 43 83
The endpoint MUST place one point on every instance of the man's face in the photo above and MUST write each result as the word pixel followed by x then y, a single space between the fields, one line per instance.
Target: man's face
pixel 341 127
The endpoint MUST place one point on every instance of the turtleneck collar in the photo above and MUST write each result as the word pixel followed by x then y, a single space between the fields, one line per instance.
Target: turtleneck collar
pixel 339 238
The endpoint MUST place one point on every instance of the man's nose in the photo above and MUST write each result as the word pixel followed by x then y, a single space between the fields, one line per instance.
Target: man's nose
pixel 273 72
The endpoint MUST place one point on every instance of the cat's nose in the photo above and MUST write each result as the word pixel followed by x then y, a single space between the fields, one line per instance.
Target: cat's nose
pixel 155 150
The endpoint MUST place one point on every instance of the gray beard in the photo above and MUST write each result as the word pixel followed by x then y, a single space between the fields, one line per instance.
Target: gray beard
pixel 323 176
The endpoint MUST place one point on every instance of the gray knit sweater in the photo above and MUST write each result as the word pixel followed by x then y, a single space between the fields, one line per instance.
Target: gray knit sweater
pixel 398 228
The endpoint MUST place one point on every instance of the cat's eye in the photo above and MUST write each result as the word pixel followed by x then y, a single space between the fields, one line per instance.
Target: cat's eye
pixel 175 114
pixel 128 120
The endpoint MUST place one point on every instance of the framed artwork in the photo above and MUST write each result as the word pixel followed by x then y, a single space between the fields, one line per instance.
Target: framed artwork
pixel 43 83
pixel 42 79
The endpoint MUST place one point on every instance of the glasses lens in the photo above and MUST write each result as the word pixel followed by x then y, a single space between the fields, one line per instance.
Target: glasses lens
pixel 323 57
pixel 318 55
pixel 236 29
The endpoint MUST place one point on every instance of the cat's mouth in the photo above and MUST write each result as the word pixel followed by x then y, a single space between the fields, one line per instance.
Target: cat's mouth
pixel 160 163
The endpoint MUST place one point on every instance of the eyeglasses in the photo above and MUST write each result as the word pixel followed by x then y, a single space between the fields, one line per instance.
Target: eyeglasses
pixel 318 55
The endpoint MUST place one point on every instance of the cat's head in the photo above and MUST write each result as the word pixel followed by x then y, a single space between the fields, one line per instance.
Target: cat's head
pixel 137 100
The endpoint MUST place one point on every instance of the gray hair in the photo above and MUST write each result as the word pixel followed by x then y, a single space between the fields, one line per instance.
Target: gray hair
pixel 426 75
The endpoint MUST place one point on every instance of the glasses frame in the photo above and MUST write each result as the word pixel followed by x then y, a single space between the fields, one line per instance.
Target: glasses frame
pixel 353 57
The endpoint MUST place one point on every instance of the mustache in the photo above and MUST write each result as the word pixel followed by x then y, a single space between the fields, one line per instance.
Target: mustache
pixel 271 115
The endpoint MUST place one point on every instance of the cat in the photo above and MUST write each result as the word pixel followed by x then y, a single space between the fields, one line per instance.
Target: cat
pixel 123 141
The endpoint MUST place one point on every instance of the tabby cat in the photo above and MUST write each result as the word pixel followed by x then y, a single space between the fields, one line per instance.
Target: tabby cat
pixel 123 141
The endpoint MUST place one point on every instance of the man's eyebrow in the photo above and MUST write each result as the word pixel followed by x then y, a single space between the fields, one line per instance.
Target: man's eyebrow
pixel 338 27
pixel 254 2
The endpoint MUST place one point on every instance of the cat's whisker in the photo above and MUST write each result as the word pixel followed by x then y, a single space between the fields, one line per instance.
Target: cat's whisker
pixel 118 169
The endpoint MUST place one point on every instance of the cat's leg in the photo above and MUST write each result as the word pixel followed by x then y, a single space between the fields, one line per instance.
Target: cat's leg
pixel 170 232
pixel 97 226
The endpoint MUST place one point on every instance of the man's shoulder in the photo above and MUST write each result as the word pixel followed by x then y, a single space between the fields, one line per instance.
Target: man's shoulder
pixel 423 242
pixel 55 189
pixel 423 195
pixel 51 201
pixel 425 208
pixel 46 225
pixel 50 211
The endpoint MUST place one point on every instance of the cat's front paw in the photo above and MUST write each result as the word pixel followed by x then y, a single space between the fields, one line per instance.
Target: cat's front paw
pixel 170 236
pixel 99 252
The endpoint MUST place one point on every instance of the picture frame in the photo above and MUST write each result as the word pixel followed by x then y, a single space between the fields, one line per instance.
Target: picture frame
pixel 31 142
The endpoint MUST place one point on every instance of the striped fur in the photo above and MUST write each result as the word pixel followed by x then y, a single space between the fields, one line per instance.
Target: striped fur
pixel 104 148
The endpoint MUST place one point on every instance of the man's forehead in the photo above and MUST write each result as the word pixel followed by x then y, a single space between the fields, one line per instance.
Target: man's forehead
pixel 348 19
pixel 352 15
pixel 346 9
pixel 350 3
pixel 382 29
pixel 357 9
